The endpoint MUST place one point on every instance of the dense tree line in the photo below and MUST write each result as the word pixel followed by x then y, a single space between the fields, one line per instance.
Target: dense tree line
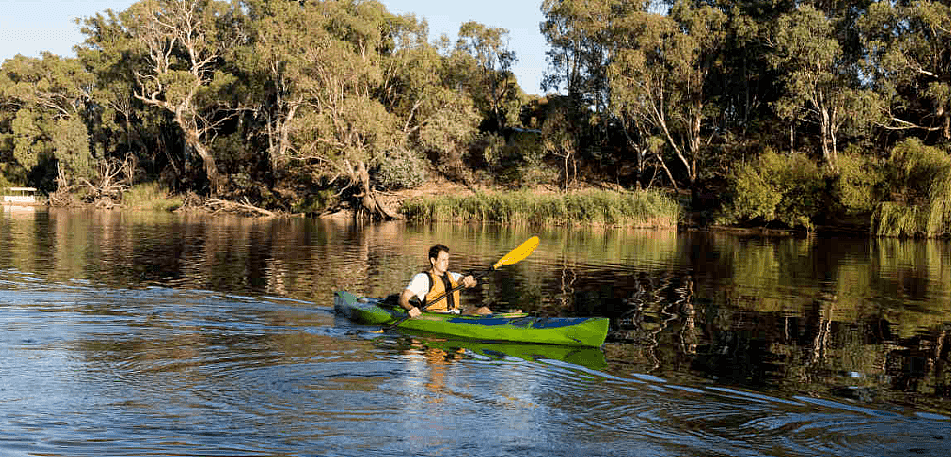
pixel 802 113
pixel 782 111
pixel 267 98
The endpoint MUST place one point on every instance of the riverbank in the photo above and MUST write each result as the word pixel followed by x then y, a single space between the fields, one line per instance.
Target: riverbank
pixel 602 205
pixel 587 207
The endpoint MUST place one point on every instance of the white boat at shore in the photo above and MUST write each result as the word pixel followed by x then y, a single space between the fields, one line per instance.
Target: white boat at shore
pixel 21 196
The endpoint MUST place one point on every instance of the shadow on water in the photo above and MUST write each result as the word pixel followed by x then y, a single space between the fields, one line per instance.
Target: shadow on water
pixel 166 334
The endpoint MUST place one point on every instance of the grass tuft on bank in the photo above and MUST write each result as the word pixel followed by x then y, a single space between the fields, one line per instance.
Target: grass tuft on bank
pixel 641 209
pixel 150 196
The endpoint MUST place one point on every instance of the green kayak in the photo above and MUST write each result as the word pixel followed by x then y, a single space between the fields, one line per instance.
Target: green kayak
pixel 520 328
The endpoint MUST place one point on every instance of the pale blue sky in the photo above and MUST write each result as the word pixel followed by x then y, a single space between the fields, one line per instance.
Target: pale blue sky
pixel 30 27
pixel 520 17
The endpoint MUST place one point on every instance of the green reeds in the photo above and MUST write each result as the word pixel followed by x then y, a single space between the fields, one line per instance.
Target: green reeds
pixel 604 208
pixel 150 196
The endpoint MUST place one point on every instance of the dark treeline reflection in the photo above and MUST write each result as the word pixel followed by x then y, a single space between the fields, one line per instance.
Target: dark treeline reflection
pixel 865 320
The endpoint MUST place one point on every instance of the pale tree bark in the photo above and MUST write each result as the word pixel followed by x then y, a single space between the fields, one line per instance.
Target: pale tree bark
pixel 658 77
pixel 175 30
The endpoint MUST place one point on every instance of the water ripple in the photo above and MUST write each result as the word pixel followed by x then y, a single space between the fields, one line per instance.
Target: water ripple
pixel 86 368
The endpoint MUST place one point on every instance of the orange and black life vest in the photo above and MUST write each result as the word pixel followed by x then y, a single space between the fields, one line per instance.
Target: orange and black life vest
pixel 439 286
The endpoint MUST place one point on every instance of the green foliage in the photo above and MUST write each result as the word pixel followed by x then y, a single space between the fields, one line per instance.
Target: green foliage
pixel 315 202
pixel 518 162
pixel 919 185
pixel 37 138
pixel 71 147
pixel 659 76
pixel 526 151
pixel 858 183
pixel 496 92
pixel 637 209
pixel 281 93
pixel 812 58
pixel 448 131
pixel 790 189
pixel 150 196
pixel 894 219
pixel 908 50
pixel 914 168
pixel 28 139
pixel 401 169
pixel 753 195
pixel 4 182
pixel 48 99
pixel 493 150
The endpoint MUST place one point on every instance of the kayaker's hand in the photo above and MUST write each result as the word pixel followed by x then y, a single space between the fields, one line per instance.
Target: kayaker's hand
pixel 414 312
pixel 469 281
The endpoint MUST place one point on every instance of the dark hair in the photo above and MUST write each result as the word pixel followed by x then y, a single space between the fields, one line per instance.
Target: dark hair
pixel 435 250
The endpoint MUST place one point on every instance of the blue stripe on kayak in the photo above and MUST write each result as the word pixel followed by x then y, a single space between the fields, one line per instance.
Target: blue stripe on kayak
pixel 533 322
pixel 486 321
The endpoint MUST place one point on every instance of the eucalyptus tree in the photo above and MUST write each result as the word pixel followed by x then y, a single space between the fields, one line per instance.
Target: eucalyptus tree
pixel 578 54
pixel 581 43
pixel 46 100
pixel 659 76
pixel 909 56
pixel 433 89
pixel 177 50
pixel 431 92
pixel 285 35
pixel 821 84
pixel 333 107
pixel 120 124
pixel 495 88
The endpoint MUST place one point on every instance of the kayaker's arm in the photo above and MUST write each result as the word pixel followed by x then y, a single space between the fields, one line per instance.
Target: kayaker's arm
pixel 404 303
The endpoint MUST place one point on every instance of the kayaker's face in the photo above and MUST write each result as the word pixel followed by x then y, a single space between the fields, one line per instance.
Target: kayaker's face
pixel 440 263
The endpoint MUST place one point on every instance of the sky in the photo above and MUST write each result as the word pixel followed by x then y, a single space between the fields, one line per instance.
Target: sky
pixel 30 27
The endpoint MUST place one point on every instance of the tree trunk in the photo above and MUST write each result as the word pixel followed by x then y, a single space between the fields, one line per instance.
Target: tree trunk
pixel 193 140
pixel 368 197
pixel 947 127
pixel 827 138
pixel 211 168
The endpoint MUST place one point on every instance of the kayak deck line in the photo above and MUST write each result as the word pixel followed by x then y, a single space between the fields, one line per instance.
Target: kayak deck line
pixel 513 327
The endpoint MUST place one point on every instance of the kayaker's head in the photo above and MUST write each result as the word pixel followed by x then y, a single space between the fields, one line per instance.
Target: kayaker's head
pixel 439 258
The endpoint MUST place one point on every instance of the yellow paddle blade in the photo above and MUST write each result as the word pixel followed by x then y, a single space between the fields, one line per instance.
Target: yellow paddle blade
pixel 518 254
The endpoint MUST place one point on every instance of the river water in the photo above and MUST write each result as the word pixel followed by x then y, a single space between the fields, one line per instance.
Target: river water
pixel 163 334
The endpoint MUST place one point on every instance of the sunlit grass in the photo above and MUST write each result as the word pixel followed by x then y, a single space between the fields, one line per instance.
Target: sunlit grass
pixel 607 208
pixel 150 196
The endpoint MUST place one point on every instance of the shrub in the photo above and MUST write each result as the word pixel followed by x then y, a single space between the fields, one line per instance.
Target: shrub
pixel 778 188
pixel 401 168
pixel 315 202
pixel 518 161
pixel 527 155
pixel 493 147
pixel 914 168
pixel 918 183
pixel 859 181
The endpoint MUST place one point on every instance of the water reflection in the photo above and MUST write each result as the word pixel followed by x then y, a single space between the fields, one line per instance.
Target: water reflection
pixel 189 332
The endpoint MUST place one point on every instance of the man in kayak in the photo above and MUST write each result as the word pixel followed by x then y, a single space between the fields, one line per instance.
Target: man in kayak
pixel 434 283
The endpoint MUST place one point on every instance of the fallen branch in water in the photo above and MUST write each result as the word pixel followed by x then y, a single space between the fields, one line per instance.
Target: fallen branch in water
pixel 216 205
